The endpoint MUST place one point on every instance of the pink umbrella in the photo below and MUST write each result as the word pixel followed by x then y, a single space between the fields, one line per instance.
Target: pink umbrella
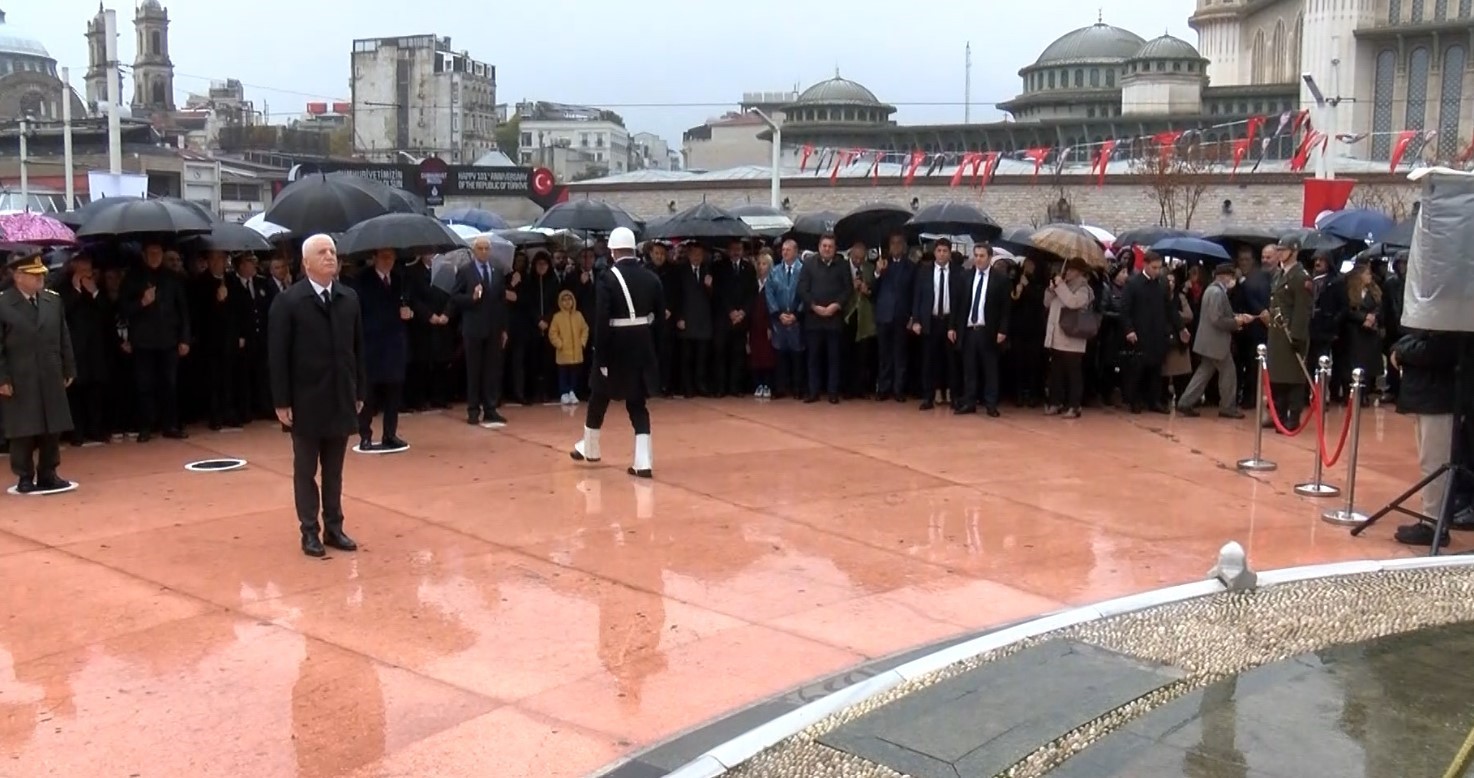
pixel 35 229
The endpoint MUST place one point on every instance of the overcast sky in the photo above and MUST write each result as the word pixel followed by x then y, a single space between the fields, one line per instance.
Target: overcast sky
pixel 664 65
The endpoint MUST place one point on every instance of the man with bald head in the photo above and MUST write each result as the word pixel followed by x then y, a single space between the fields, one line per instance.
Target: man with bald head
pixel 480 294
pixel 318 381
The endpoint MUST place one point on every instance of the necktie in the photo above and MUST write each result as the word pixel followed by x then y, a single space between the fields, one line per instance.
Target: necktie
pixel 485 277
pixel 327 297
pixel 249 291
pixel 977 297
pixel 386 281
pixel 36 303
pixel 942 293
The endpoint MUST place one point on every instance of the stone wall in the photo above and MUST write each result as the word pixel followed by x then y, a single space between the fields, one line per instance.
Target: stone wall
pixel 1120 203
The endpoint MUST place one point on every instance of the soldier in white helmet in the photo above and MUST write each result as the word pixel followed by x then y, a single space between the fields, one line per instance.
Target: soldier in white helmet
pixel 627 299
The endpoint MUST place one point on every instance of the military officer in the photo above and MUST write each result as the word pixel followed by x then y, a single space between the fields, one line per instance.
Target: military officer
pixel 36 367
pixel 1288 320
pixel 627 297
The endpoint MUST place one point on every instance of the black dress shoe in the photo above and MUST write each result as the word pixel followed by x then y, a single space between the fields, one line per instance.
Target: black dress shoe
pixel 52 483
pixel 26 486
pixel 993 413
pixel 311 546
pixel 365 444
pixel 811 399
pixel 834 399
pixel 394 443
pixel 144 437
pixel 176 434
pixel 964 410
pixel 335 538
pixel 640 473
pixel 473 420
pixel 927 405
pixel 492 417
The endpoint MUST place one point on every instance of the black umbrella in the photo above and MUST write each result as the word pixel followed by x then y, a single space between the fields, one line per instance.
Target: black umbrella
pixel 332 203
pixel 402 232
pixel 1150 236
pixel 1313 240
pixel 1400 236
pixel 137 217
pixel 590 215
pixel 1249 236
pixel 225 236
pixel 1018 240
pixel 703 221
pixel 809 227
pixel 79 217
pixel 523 238
pixel 954 218
pixel 873 223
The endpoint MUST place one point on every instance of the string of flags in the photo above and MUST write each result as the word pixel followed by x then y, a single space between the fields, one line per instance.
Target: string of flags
pixel 979 167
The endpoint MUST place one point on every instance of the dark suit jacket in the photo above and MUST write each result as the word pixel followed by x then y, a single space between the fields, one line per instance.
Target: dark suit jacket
pixel 219 324
pixel 427 342
pixel 487 316
pixel 316 359
pixel 996 302
pixel 734 288
pixel 923 298
pixel 627 353
pixel 1151 313
pixel 385 338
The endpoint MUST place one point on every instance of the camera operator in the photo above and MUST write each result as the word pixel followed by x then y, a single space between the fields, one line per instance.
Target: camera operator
pixel 1428 361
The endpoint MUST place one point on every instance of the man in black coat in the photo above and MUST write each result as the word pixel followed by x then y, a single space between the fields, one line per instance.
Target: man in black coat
pixel 36 367
pixel 480 294
pixel 386 314
pixel 153 303
pixel 253 397
pixel 315 337
pixel 933 299
pixel 431 338
pixel 92 324
pixel 825 286
pixel 980 311
pixel 1430 363
pixel 734 286
pixel 222 317
pixel 1151 319
pixel 627 302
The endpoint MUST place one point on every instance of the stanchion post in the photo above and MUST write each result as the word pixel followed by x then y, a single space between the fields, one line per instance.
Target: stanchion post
pixel 1348 516
pixel 1256 463
pixel 1317 486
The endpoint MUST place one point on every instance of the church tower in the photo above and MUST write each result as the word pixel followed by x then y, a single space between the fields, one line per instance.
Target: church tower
pixel 97 61
pixel 153 72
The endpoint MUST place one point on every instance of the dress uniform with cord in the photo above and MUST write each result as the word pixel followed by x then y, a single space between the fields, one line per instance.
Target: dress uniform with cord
pixel 36 367
pixel 626 365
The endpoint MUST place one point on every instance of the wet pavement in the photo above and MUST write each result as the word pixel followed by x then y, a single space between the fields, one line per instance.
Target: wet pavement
pixel 512 613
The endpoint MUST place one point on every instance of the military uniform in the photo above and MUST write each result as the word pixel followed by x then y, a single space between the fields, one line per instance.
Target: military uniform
pixel 1290 307
pixel 36 365
pixel 626 366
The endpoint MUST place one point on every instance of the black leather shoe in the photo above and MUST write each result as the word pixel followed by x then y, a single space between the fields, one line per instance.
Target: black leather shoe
pixel 176 434
pixel 926 405
pixel 144 437
pixel 334 538
pixel 640 473
pixel 394 443
pixel 834 399
pixel 365 444
pixel 993 413
pixel 311 546
pixel 964 410
pixel 811 399
pixel 26 486
pixel 52 483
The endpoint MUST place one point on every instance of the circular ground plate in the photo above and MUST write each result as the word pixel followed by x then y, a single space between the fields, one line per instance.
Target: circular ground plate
pixel 493 425
pixel 215 465
pixel 361 450
pixel 47 493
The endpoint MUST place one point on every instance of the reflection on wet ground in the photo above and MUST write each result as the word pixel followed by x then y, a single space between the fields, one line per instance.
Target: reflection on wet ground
pixel 510 609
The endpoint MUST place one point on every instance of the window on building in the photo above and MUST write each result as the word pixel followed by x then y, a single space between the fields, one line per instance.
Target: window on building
pixel 1079 77
pixel 583 139
pixel 250 193
pixel 1213 109
pixel 155 43
pixel 1051 79
pixel 1090 112
pixel 1440 10
pixel 526 139
pixel 1416 16
pixel 1466 9
pixel 1161 67
pixel 1417 89
pixel 1394 11
pixel 1176 67
pixel 1094 77
pixel 1111 77
pixel 1258 107
pixel 1450 96
pixel 159 97
pixel 1383 82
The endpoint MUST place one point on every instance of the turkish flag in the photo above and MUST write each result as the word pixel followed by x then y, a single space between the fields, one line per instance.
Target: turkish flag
pixel 1323 194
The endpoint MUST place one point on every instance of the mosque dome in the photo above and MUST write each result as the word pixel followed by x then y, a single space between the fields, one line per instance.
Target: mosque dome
pixel 1167 47
pixel 838 91
pixel 1099 41
pixel 15 41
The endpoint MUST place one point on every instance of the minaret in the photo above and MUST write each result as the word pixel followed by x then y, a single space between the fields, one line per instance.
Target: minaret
pixel 96 78
pixel 1219 24
pixel 153 72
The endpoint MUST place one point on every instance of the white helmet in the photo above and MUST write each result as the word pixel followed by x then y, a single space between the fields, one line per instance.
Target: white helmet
pixel 622 238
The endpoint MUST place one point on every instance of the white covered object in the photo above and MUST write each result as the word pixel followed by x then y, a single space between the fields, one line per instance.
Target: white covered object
pixel 1439 292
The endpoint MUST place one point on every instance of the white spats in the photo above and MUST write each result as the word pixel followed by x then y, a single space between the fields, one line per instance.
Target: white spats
pixel 587 450
pixel 643 457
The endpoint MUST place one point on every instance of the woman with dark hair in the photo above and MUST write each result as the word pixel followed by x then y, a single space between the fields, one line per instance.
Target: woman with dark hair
pixel 1110 345
pixel 1026 327
pixel 1361 328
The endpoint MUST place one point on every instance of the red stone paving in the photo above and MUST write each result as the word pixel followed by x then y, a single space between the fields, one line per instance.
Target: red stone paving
pixel 514 614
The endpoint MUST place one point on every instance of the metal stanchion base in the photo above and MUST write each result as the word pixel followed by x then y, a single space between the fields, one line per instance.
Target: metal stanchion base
pixel 1317 490
pixel 1343 518
pixel 1257 465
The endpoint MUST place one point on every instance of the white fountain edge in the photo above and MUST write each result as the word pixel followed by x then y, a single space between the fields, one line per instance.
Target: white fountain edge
pixel 731 754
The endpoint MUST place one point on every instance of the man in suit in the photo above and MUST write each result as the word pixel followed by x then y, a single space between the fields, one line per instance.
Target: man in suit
pixel 155 306
pixel 1288 319
pixel 431 337
pixel 825 286
pixel 480 295
pixel 980 314
pixel 253 399
pixel 734 282
pixel 931 318
pixel 222 317
pixel 315 346
pixel 894 275
pixel 386 349
pixel 627 301
pixel 36 367
pixel 1217 325
pixel 1151 318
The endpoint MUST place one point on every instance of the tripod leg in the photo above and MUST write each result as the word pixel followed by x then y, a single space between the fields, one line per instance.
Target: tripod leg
pixel 1402 498
pixel 1462 759
pixel 1446 509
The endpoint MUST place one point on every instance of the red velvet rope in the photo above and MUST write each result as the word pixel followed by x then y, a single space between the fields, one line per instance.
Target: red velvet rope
pixel 1341 444
pixel 1274 414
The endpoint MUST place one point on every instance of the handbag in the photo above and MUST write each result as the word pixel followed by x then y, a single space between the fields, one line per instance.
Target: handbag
pixel 1081 323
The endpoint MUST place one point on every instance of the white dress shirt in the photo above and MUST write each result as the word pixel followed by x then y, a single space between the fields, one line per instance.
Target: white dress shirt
pixel 979 317
pixel 318 289
pixel 941 302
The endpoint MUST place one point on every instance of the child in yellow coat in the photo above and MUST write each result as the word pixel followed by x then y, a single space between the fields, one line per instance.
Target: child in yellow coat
pixel 569 334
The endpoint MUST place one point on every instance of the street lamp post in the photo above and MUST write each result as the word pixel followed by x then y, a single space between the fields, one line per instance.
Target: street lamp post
pixel 776 193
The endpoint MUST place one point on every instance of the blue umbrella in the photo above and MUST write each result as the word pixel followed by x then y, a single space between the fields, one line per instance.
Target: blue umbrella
pixel 1191 248
pixel 481 219
pixel 1362 224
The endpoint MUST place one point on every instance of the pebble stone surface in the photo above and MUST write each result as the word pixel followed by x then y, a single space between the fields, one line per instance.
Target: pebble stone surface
pixel 1208 639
